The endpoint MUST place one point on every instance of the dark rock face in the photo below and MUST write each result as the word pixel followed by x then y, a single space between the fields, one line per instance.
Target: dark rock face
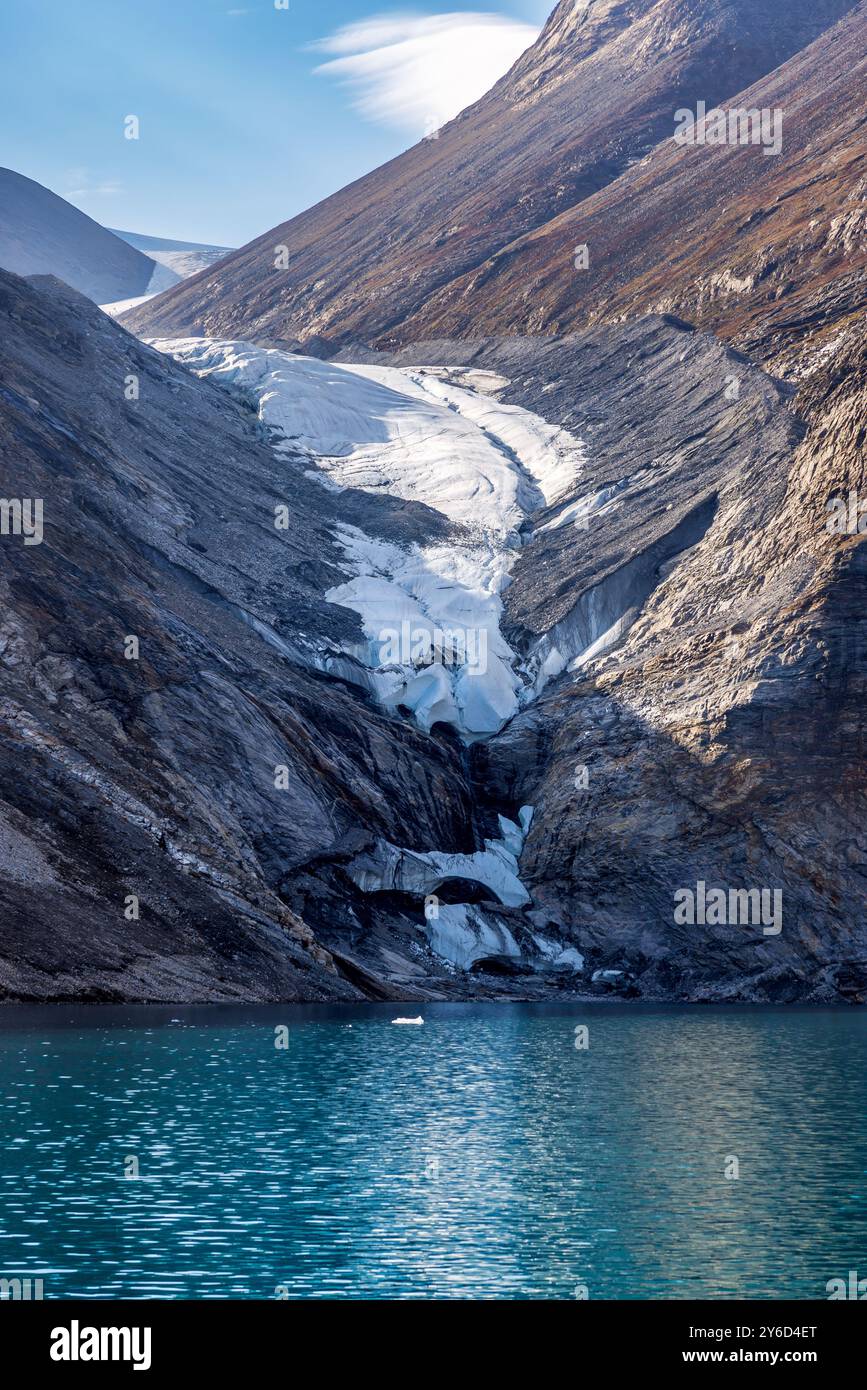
pixel 155 777
pixel 719 740
pixel 692 630
pixel 467 233
pixel 41 234
pixel 723 736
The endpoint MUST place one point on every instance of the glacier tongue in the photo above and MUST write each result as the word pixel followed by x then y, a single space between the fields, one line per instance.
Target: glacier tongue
pixel 461 934
pixel 430 613
pixel 387 868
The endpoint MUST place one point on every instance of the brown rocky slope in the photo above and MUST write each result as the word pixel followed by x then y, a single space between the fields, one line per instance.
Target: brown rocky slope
pixel 433 233
pixel 770 252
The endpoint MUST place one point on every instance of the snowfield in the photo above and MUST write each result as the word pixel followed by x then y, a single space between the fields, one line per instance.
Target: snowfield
pixel 430 613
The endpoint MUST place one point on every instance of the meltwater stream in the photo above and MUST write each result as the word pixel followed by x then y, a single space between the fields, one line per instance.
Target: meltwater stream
pixel 479 1155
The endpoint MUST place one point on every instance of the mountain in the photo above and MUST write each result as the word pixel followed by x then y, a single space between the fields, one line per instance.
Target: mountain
pixel 42 234
pixel 154 777
pixel 201 765
pixel 408 251
pixel 717 234
pixel 717 723
pixel 185 258
pixel 284 812
pixel 698 637
pixel 509 652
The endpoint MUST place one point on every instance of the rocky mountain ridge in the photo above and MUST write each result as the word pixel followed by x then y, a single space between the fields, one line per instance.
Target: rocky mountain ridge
pixel 686 627
pixel 446 240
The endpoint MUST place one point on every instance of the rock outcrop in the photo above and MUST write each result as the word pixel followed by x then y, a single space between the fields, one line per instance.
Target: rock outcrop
pixel 716 735
pixel 172 748
pixel 721 739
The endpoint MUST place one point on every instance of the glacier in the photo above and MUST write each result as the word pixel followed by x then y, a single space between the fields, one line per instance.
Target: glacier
pixel 421 872
pixel 463 933
pixel 420 435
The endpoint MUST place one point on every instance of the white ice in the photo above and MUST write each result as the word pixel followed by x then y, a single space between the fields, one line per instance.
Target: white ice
pixel 387 868
pixel 579 513
pixel 418 436
pixel 461 934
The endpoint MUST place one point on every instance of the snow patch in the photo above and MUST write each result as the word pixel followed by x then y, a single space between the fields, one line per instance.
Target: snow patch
pixel 579 513
pixel 120 306
pixel 163 278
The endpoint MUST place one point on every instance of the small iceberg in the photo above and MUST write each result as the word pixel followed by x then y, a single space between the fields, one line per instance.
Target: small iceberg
pixel 414 1021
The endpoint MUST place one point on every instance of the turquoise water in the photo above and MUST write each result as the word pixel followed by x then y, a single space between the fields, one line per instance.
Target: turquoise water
pixel 480 1155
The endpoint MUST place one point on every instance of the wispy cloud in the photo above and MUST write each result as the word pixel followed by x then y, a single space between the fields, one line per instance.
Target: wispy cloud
pixel 416 72
pixel 80 184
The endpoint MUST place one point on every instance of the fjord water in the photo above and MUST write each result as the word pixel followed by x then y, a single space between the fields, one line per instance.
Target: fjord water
pixel 479 1155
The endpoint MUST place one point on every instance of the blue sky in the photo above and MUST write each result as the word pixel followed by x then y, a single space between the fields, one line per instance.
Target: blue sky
pixel 237 129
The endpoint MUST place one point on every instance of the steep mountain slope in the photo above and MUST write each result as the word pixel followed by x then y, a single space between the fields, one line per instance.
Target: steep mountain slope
pixel 42 234
pixel 589 100
pixel 205 792
pixel 693 652
pixel 157 776
pixel 721 235
pixel 723 734
pixel 699 640
pixel 634 514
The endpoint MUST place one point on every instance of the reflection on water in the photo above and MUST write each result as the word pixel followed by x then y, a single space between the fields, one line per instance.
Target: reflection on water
pixel 479 1156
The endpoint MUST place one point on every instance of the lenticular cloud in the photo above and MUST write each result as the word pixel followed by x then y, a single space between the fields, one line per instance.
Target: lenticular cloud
pixel 417 72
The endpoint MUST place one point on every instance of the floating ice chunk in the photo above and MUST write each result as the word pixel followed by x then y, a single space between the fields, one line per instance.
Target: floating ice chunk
pixel 414 1022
